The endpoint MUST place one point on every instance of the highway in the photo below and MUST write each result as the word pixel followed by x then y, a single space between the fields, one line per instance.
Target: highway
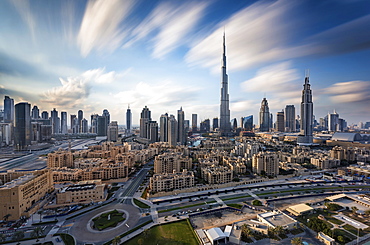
pixel 32 160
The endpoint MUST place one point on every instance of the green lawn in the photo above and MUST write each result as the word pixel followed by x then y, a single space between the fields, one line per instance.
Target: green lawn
pixel 140 204
pixel 334 220
pixel 235 205
pixel 353 230
pixel 232 198
pixel 168 234
pixel 102 221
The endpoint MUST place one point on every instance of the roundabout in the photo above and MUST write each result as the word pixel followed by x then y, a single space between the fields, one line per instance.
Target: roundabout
pixel 83 229
pixel 110 220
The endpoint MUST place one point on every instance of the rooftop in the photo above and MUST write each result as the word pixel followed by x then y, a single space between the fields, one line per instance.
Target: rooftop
pixel 276 218
pixel 301 208
pixel 79 187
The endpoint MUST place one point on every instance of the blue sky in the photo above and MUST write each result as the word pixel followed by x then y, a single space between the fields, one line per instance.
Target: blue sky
pixel 95 55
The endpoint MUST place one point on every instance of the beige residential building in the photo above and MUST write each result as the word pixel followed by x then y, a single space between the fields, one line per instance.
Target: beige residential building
pixel 21 190
pixel 267 162
pixel 325 162
pixel 170 162
pixel 60 159
pixel 217 174
pixel 171 181
pixel 83 192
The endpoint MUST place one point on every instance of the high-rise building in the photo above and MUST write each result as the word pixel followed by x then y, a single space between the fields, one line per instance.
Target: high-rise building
pixel 186 126
pixel 234 123
pixel 264 116
pixel 22 130
pixel 128 119
pixel 80 115
pixel 205 126
pixel 194 122
pixel 101 126
pixel 113 131
pixel 224 105
pixel 73 125
pixel 84 126
pixel 289 118
pixel 8 110
pixel 172 130
pixel 107 116
pixel 280 124
pixel 181 137
pixel 153 131
pixel 55 121
pixel 265 163
pixel 35 114
pixel 305 136
pixel 247 123
pixel 163 131
pixel 45 115
pixel 63 120
pixel 94 123
pixel 333 121
pixel 215 123
pixel 145 117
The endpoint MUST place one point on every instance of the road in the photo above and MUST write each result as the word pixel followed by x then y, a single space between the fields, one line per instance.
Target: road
pixel 32 161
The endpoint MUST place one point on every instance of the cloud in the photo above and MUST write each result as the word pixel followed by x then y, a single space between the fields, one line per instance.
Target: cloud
pixel 254 35
pixel 100 27
pixel 349 92
pixel 24 9
pixel 173 24
pixel 75 90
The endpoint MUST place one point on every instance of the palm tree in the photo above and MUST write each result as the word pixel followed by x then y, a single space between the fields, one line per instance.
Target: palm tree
pixel 296 241
pixel 37 232
pixel 2 237
pixel 6 217
pixel 354 209
pixel 246 230
pixel 140 241
pixel 279 230
pixel 116 240
pixel 18 235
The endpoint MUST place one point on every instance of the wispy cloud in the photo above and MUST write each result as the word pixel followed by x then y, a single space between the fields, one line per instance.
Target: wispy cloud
pixel 172 22
pixel 24 9
pixel 100 27
pixel 254 35
pixel 348 92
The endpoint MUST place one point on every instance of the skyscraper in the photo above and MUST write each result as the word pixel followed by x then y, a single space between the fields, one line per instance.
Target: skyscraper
pixel 101 126
pixel 153 131
pixel 63 120
pixel 35 114
pixel 194 123
pixel 305 137
pixel 84 126
pixel 74 127
pixel 205 126
pixel 128 119
pixel 55 121
pixel 181 137
pixel 94 123
pixel 264 117
pixel 8 110
pixel 113 131
pixel 80 115
pixel 145 117
pixel 247 123
pixel 45 115
pixel 107 116
pixel 333 121
pixel 163 131
pixel 224 106
pixel 172 130
pixel 215 123
pixel 289 117
pixel 280 125
pixel 22 130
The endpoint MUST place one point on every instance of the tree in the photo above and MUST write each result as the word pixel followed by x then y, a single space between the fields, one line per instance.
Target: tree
pixel 37 232
pixel 18 235
pixel 296 241
pixel 6 217
pixel 279 230
pixel 367 212
pixel 2 237
pixel 116 240
pixel 140 241
pixel 341 239
pixel 246 231
pixel 256 203
pixel 145 233
pixel 354 209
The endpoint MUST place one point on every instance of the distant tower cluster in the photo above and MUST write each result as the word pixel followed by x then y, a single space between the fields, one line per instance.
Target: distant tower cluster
pixel 305 137
pixel 289 118
pixel 174 130
pixel 148 128
pixel 225 126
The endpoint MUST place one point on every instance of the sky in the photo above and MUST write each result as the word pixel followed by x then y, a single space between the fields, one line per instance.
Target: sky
pixel 95 55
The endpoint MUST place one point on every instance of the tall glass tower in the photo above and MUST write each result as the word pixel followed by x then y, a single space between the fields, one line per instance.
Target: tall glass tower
pixel 305 137
pixel 225 126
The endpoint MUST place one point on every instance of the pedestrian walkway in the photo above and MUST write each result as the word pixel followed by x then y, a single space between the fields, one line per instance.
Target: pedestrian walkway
pixel 255 196
pixel 154 214
pixel 219 201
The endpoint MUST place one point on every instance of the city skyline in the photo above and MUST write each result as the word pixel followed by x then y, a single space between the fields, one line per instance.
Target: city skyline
pixel 56 55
